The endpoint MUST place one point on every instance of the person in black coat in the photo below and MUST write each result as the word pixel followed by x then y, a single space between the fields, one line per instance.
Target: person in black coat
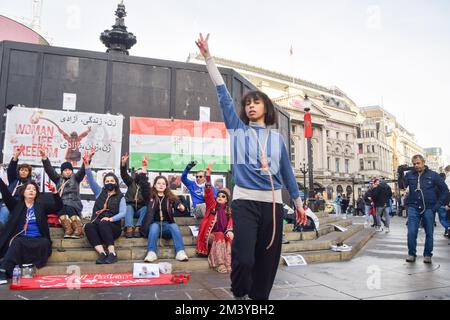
pixel 26 238
pixel 380 196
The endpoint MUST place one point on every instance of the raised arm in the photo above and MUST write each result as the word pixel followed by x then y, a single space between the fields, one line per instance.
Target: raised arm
pixel 231 119
pixel 123 170
pixel 84 134
pixel 96 189
pixel 49 170
pixel 209 195
pixel 12 167
pixel 79 176
pixel 57 204
pixel 188 183
pixel 8 199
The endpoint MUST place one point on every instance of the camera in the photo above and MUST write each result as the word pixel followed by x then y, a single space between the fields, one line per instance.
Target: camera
pixel 404 168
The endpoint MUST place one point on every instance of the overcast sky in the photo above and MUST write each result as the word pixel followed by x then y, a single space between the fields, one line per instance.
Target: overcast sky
pixel 391 52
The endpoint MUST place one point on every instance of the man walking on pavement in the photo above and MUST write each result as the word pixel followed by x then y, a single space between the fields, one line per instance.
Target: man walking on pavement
pixel 380 196
pixel 427 193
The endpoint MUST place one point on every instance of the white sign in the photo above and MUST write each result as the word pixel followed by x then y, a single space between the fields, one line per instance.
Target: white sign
pixel 65 136
pixel 194 230
pixel 205 113
pixel 145 270
pixel 69 101
pixel 294 260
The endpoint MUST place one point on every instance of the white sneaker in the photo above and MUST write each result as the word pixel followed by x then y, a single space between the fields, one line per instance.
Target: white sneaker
pixel 181 256
pixel 386 230
pixel 378 229
pixel 151 256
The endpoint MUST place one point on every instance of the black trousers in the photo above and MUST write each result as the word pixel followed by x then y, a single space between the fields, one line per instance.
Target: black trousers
pixel 24 250
pixel 102 232
pixel 68 210
pixel 253 266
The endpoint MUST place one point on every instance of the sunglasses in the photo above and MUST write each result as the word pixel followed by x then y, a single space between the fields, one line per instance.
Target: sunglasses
pixel 221 196
pixel 199 177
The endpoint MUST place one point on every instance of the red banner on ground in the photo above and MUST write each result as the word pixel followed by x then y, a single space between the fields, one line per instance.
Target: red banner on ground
pixel 92 281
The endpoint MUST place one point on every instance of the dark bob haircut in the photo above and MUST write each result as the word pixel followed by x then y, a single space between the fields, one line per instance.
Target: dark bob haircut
pixel 25 185
pixel 271 115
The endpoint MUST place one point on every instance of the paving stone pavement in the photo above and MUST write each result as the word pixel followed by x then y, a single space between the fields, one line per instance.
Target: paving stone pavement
pixel 379 271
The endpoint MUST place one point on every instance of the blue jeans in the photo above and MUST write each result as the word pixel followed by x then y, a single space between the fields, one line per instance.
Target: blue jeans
pixel 414 217
pixel 443 218
pixel 131 213
pixel 4 214
pixel 387 217
pixel 169 230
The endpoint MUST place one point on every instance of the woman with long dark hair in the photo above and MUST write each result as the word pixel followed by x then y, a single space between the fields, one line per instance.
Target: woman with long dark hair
pixel 26 238
pixel 159 221
pixel 261 166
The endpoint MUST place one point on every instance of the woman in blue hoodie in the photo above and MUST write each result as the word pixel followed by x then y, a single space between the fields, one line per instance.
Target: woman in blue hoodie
pixel 261 166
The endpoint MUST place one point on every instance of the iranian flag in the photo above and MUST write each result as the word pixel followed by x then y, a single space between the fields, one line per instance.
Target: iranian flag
pixel 172 144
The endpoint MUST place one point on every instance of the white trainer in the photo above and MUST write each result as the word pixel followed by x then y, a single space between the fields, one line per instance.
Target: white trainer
pixel 386 230
pixel 151 256
pixel 181 256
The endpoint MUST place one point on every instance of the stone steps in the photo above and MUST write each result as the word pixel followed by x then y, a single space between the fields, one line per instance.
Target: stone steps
pixel 188 240
pixel 76 254
pixel 69 252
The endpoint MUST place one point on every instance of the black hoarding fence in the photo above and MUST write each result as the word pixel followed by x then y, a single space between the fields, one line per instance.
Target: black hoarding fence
pixel 37 76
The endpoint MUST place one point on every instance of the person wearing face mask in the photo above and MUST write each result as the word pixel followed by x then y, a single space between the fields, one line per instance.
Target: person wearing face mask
pixel 159 221
pixel 216 229
pixel 68 185
pixel 136 205
pixel 109 209
pixel 26 238
pixel 196 189
pixel 18 175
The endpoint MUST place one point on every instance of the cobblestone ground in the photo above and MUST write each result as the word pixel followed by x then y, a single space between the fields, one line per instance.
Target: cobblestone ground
pixel 379 271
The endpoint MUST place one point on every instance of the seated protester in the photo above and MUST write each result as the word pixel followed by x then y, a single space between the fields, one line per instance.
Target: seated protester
pixel 18 175
pixel 196 189
pixel 109 209
pixel 216 230
pixel 136 205
pixel 159 221
pixel 68 185
pixel 26 238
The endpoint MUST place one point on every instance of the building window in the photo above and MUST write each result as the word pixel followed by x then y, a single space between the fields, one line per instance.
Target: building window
pixel 358 133
pixel 328 133
pixel 372 134
pixel 374 166
pixel 293 128
pixel 361 164
pixel 337 164
pixel 368 149
pixel 360 148
pixel 346 137
pixel 347 166
pixel 337 135
pixel 373 148
pixel 328 163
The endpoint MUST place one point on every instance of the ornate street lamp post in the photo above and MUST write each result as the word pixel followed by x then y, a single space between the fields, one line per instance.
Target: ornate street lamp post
pixel 304 170
pixel 308 136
